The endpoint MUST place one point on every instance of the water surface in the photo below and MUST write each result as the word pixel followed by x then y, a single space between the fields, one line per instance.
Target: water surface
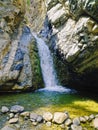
pixel 43 101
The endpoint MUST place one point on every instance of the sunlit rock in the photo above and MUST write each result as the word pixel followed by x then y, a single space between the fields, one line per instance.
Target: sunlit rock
pixel 59 117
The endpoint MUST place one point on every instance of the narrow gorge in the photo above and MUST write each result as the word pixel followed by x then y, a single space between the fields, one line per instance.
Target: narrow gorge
pixel 48 63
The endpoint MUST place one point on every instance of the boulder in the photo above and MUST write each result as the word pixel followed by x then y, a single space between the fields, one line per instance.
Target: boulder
pixel 95 123
pixel 47 116
pixel 35 117
pixel 17 109
pixel 59 117
pixel 39 119
pixel 4 109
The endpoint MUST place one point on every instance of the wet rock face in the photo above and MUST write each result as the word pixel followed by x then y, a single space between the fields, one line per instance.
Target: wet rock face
pixel 18 52
pixel 76 36
pixel 19 64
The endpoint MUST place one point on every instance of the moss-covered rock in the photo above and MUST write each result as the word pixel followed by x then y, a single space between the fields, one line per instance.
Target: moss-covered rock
pixel 37 80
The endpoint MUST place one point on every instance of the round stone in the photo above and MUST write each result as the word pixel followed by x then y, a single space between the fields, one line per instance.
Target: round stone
pixel 35 123
pixel 82 119
pixel 39 118
pixel 68 122
pixel 76 121
pixel 95 123
pixel 4 109
pixel 75 127
pixel 11 115
pixel 47 116
pixel 48 123
pixel 17 109
pixel 60 117
pixel 33 116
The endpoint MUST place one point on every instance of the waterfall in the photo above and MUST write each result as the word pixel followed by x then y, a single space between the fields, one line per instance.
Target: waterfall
pixel 48 71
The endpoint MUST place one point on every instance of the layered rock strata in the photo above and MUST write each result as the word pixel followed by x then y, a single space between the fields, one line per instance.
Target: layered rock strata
pixel 75 30
pixel 19 61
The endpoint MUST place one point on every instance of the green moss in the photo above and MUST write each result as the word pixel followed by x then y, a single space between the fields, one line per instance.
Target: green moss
pixel 28 2
pixel 35 63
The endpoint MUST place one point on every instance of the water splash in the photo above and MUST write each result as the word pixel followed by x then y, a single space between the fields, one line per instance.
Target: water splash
pixel 48 71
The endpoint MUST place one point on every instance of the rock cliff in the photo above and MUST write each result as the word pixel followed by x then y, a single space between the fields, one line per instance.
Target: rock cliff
pixel 75 30
pixel 19 61
pixel 74 40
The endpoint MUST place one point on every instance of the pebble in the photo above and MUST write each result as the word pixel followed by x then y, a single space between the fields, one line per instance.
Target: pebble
pixel 75 127
pixel 95 123
pixel 11 115
pixel 62 126
pixel 35 123
pixel 76 121
pixel 16 115
pixel 82 119
pixel 48 123
pixel 91 117
pixel 86 117
pixel 39 119
pixel 68 122
pixel 96 116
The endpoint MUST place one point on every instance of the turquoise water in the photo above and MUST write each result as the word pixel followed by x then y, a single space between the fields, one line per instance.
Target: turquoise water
pixel 43 101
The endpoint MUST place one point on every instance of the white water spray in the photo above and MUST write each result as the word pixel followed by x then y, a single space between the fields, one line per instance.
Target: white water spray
pixel 48 71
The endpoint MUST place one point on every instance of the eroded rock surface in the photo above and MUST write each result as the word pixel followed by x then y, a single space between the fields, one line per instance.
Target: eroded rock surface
pixel 19 61
pixel 75 30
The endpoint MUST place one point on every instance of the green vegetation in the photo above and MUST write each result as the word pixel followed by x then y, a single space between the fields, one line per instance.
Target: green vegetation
pixel 28 2
pixel 35 63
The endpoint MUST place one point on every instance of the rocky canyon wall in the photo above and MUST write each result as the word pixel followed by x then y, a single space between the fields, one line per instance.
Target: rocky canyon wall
pixel 19 61
pixel 74 39
pixel 75 30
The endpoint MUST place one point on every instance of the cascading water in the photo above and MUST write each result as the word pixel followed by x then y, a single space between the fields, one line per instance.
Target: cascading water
pixel 48 71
